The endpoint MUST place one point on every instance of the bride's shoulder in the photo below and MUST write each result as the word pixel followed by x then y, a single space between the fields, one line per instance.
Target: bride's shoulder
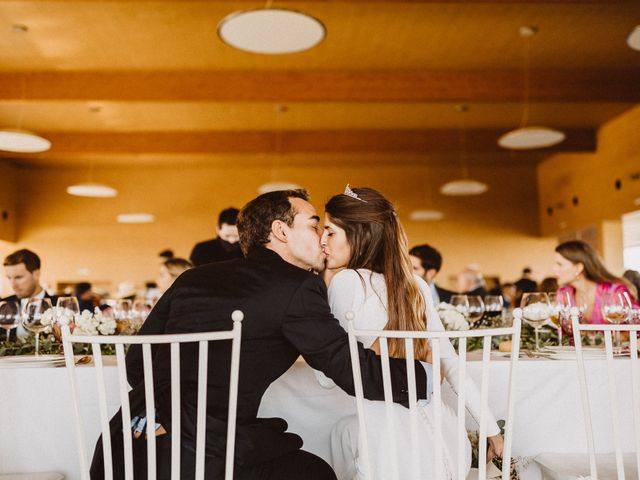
pixel 345 277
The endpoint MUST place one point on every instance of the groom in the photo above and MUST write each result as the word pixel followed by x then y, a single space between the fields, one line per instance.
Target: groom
pixel 285 315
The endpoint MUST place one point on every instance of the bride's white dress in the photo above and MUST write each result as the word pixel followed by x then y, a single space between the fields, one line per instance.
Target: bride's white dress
pixel 364 293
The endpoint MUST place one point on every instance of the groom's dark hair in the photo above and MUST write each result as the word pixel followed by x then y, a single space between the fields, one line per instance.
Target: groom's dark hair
pixel 256 217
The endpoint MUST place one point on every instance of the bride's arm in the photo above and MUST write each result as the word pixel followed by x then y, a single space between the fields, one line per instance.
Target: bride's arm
pixel 449 365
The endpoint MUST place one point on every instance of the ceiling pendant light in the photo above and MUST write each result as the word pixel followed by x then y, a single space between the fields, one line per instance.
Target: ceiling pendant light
pixel 91 189
pixel 271 31
pixel 529 137
pixel 136 218
pixel 633 40
pixel 465 185
pixel 426 215
pixel 22 141
pixel 277 186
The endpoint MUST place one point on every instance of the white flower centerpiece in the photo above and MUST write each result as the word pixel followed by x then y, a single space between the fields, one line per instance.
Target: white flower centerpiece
pixel 451 317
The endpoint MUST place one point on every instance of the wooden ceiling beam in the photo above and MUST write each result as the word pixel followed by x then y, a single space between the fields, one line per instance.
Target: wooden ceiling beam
pixel 319 86
pixel 303 141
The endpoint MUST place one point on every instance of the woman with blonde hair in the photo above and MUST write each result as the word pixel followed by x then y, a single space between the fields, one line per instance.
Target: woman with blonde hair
pixel 170 270
pixel 369 273
pixel 584 278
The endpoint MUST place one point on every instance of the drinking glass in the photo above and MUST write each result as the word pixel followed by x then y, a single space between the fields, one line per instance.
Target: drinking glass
pixel 493 308
pixel 535 311
pixel 66 313
pixel 34 318
pixel 9 316
pixel 461 304
pixel 476 309
pixel 616 309
pixel 140 311
pixel 123 313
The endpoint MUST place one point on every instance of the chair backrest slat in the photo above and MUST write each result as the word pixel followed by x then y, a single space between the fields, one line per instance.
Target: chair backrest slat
pixel 146 341
pixel 104 415
pixel 202 407
pixel 123 385
pixel 176 425
pixel 436 338
pixel 462 373
pixel 388 400
pixel 633 331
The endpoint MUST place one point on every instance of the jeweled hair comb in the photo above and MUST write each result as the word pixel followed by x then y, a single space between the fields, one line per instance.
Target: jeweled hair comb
pixel 350 193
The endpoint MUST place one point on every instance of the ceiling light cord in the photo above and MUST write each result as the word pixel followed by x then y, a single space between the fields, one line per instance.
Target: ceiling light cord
pixel 527 81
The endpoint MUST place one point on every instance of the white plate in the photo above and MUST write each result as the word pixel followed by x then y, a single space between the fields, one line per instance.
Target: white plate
pixel 567 352
pixel 31 361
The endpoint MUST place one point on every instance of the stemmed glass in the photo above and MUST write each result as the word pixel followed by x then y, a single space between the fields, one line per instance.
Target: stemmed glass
pixel 535 311
pixel 476 309
pixel 34 318
pixel 123 314
pixel 9 316
pixel 461 304
pixel 493 308
pixel 616 309
pixel 556 312
pixel 66 313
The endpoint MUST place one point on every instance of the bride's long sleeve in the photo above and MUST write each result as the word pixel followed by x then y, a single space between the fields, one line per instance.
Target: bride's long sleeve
pixel 449 364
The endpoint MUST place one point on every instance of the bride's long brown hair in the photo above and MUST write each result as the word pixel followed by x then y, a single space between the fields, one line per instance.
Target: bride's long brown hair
pixel 378 243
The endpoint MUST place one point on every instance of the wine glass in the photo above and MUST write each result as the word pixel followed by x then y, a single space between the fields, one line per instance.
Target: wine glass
pixel 535 311
pixel 493 308
pixel 140 311
pixel 461 304
pixel 66 313
pixel 9 316
pixel 123 313
pixel 476 308
pixel 616 309
pixel 35 317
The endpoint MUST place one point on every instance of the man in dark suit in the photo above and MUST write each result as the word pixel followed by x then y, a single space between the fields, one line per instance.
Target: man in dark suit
pixel 286 314
pixel 22 269
pixel 427 262
pixel 224 247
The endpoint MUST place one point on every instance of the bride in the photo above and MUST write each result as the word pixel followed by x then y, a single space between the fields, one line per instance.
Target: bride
pixel 369 273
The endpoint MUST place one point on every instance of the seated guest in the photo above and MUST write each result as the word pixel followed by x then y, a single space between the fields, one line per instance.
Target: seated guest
pixel 169 271
pixel 633 277
pixel 427 262
pixel 548 285
pixel 582 275
pixel 87 300
pixel 526 284
pixel 471 282
pixel 510 295
pixel 225 246
pixel 286 315
pixel 22 269
pixel 165 255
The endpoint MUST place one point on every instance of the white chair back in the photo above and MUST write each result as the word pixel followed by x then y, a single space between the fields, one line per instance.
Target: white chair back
pixel 146 341
pixel 633 330
pixel 435 339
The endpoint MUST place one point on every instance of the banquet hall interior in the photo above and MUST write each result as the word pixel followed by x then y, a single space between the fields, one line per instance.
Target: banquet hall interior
pixel 168 103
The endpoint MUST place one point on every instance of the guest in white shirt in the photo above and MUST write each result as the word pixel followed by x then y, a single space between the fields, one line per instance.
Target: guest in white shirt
pixel 22 269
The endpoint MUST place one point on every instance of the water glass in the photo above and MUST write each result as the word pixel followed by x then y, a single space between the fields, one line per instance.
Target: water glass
pixel 9 316
pixel 536 310
pixel 37 315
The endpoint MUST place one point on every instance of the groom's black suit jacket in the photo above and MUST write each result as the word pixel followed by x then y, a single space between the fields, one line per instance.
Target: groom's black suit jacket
pixel 286 314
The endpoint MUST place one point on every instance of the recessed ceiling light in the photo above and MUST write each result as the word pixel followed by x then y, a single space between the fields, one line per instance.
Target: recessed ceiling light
pixel 136 218
pixel 531 137
pixel 633 40
pixel 463 187
pixel 426 215
pixel 277 186
pixel 93 190
pixel 22 141
pixel 271 31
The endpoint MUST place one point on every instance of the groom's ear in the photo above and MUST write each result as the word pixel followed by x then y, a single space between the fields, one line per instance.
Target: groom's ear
pixel 279 230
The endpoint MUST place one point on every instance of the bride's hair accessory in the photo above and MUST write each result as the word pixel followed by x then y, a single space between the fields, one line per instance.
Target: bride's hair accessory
pixel 350 193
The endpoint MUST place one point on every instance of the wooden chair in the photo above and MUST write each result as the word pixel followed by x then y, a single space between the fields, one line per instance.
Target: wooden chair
pixel 175 341
pixel 435 339
pixel 607 465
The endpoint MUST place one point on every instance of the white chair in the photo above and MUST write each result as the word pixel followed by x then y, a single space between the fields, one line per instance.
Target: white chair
pixel 146 341
pixel 436 338
pixel 603 466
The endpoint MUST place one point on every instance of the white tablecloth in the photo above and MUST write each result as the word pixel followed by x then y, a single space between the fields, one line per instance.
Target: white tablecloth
pixel 36 426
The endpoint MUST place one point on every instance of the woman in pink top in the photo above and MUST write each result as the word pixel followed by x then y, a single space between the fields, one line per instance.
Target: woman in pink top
pixel 585 279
